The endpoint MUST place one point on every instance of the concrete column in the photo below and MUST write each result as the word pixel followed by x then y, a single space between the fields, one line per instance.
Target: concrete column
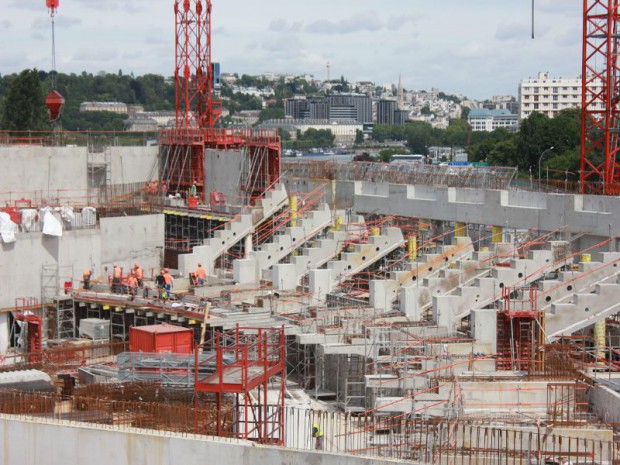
pixel 244 271
pixel 412 248
pixel 600 328
pixel 320 283
pixel 283 277
pixel 247 248
pixel 497 234
pixel 292 202
pixel 484 326
pixel 4 333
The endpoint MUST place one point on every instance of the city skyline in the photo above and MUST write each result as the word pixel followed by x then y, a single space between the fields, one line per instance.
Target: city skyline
pixel 476 50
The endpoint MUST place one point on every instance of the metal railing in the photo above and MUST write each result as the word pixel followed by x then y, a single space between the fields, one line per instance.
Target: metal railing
pixel 481 177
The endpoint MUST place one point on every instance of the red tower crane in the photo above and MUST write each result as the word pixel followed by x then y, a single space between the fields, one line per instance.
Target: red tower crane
pixel 193 72
pixel 600 124
pixel 182 149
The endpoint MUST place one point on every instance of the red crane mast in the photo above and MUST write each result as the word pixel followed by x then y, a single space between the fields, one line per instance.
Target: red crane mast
pixel 600 124
pixel 194 75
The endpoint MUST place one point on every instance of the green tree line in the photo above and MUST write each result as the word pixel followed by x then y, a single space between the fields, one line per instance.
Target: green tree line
pixel 522 149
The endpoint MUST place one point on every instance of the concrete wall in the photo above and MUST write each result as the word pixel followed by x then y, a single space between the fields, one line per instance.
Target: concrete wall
pixel 134 164
pixel 21 262
pixel 122 240
pixel 223 170
pixel 605 402
pixel 24 442
pixel 125 240
pixel 42 169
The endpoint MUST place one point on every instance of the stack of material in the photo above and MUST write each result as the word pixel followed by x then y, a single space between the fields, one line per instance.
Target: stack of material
pixel 27 380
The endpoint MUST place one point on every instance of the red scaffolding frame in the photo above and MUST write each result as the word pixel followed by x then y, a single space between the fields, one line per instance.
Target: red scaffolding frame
pixel 247 361
pixel 600 136
pixel 518 329
pixel 197 110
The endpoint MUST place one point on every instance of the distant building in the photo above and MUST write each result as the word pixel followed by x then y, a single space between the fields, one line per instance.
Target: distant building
pixel 401 117
pixel 114 107
pixel 482 119
pixel 386 111
pixel 549 95
pixel 162 118
pixel 141 124
pixel 344 130
pixel 335 107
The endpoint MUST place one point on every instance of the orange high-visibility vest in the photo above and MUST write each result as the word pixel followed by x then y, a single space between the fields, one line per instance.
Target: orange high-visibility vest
pixel 201 273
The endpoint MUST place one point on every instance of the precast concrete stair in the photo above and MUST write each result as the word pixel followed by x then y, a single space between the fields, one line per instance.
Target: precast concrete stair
pixel 234 231
pixel 383 293
pixel 448 310
pixel 416 300
pixel 293 237
pixel 364 255
pixel 582 280
pixel 429 264
pixel 564 319
pixel 321 252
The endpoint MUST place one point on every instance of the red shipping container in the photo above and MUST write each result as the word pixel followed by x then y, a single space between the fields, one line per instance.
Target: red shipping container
pixel 163 339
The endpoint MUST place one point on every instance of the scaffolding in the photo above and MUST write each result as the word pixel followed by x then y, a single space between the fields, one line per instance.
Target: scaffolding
pixel 520 328
pixel 250 363
pixel 65 316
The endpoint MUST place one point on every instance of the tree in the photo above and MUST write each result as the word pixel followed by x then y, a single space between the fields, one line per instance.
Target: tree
pixel 387 155
pixel 270 113
pixel 284 134
pixel 419 136
pixel 359 136
pixel 24 106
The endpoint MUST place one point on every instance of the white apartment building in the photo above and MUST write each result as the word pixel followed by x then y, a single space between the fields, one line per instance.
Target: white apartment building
pixel 548 95
pixel 114 107
pixel 482 119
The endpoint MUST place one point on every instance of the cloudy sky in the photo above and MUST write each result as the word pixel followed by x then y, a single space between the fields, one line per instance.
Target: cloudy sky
pixel 478 48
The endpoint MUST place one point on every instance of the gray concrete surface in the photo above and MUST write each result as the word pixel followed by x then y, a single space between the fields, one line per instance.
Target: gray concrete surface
pixel 133 164
pixel 27 442
pixel 29 169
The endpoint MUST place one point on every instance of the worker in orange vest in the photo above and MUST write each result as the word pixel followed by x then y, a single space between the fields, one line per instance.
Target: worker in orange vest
pixel 116 279
pixel 132 284
pixel 139 275
pixel 86 278
pixel 168 280
pixel 201 274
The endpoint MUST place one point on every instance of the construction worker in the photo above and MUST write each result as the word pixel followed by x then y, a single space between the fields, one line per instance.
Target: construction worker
pixel 139 272
pixel 132 284
pixel 317 434
pixel 160 282
pixel 168 280
pixel 164 188
pixel 201 274
pixel 116 279
pixel 86 278
pixel 193 191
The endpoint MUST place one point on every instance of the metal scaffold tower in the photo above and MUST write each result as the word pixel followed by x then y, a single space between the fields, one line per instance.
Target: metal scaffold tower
pixel 600 128
pixel 62 304
pixel 250 369
pixel 520 328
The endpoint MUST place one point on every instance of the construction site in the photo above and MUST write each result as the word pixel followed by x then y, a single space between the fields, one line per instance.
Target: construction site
pixel 350 311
